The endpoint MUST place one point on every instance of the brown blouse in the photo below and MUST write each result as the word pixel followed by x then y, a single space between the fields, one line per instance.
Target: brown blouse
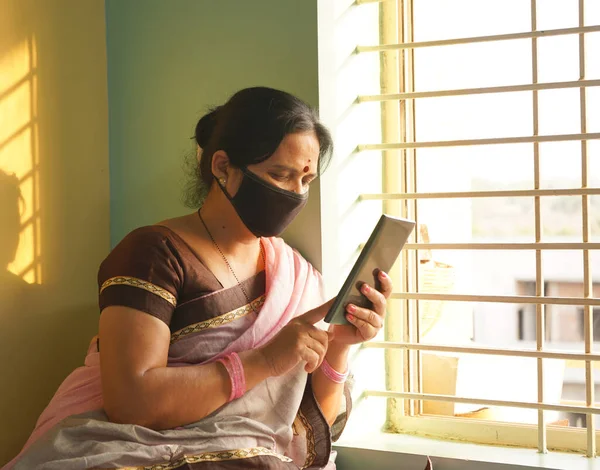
pixel 155 271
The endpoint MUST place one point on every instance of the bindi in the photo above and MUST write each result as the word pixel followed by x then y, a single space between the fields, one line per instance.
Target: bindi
pixel 306 169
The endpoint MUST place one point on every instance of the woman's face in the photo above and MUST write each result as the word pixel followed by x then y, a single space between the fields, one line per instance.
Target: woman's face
pixel 293 165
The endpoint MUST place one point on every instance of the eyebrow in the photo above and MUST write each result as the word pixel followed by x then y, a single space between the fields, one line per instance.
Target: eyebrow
pixel 293 170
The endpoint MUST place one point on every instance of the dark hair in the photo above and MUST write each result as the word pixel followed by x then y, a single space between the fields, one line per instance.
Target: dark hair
pixel 249 128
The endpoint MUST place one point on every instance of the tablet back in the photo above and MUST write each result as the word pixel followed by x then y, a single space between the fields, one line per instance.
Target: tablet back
pixel 380 253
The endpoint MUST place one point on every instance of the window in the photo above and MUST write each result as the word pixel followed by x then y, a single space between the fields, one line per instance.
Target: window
pixel 596 322
pixel 564 323
pixel 489 138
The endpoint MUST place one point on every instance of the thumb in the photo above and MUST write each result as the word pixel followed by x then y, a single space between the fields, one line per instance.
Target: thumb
pixel 316 314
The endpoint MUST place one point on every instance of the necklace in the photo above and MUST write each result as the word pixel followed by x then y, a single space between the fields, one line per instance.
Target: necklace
pixel 262 253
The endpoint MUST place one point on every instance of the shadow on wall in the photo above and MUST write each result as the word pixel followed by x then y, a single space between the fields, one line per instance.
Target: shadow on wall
pixel 10 199
pixel 24 331
pixel 54 227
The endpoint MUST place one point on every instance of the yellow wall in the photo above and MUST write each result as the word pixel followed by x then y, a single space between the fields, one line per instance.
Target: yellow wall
pixel 54 139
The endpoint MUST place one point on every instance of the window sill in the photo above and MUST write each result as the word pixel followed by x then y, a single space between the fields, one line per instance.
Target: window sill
pixel 378 451
pixel 364 446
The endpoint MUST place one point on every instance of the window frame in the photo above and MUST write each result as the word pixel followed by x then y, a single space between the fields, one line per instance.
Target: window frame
pixel 400 195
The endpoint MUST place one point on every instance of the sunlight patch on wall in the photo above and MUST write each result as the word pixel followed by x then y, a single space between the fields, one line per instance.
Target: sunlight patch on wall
pixel 19 156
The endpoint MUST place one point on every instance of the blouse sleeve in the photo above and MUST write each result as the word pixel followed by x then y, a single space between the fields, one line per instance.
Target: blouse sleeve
pixel 142 272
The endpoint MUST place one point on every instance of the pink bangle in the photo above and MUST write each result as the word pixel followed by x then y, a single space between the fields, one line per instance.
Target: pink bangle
pixel 235 369
pixel 333 374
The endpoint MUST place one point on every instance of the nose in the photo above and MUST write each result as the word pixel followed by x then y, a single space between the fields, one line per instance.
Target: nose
pixel 299 187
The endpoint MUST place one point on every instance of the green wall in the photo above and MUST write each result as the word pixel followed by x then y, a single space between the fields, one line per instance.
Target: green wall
pixel 167 63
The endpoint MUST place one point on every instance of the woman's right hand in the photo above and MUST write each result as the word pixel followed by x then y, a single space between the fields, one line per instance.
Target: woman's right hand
pixel 300 340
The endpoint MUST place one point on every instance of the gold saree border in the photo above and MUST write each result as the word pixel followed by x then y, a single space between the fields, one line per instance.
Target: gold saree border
pixel 140 284
pixel 311 452
pixel 235 454
pixel 220 320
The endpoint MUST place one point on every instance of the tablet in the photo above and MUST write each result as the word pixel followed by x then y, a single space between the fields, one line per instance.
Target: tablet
pixel 380 253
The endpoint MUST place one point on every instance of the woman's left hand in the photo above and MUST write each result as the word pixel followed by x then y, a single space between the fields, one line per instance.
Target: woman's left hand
pixel 365 323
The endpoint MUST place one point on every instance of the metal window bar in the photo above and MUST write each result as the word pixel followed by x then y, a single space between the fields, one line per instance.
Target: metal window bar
pixel 499 246
pixel 486 351
pixel 587 278
pixel 479 39
pixel 503 246
pixel 509 299
pixel 540 322
pixel 478 194
pixel 490 141
pixel 483 401
pixel 477 91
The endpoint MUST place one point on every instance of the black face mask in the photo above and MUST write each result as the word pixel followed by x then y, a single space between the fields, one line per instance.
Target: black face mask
pixel 264 208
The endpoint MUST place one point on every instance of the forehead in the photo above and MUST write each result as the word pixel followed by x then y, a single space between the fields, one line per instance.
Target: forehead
pixel 297 150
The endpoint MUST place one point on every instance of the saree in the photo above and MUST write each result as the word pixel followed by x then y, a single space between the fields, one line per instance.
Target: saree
pixel 276 425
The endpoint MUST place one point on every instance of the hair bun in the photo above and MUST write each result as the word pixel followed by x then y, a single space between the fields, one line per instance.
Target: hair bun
pixel 206 126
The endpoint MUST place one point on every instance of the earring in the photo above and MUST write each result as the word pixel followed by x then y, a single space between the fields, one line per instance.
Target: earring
pixel 223 181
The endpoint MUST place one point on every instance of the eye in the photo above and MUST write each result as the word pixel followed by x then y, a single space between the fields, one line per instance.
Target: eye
pixel 278 176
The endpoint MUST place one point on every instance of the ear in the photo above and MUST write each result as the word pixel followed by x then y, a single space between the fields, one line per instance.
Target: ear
pixel 221 168
pixel 198 153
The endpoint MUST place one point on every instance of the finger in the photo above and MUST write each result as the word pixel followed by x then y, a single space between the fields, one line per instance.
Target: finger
pixel 364 328
pixel 365 315
pixel 317 346
pixel 319 335
pixel 378 299
pixel 385 284
pixel 316 314
pixel 312 359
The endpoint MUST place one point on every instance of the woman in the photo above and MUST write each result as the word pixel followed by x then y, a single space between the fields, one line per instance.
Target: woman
pixel 211 351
